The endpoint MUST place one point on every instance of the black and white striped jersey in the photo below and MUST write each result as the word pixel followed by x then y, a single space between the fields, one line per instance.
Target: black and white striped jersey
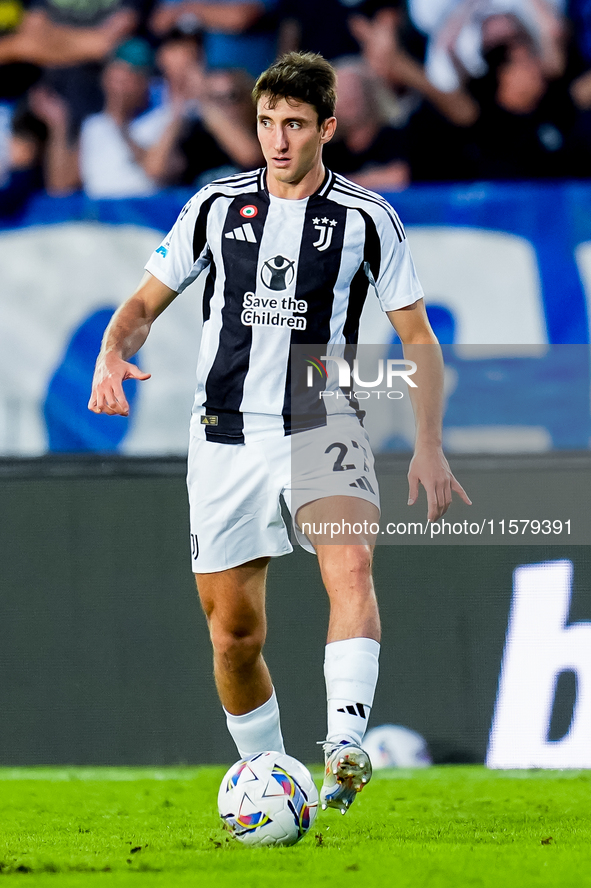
pixel 279 273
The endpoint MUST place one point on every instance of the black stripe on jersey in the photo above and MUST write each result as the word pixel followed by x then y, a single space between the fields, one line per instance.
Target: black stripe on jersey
pixel 321 270
pixel 224 387
pixel 372 254
pixel 200 230
pixel 372 251
pixel 208 291
pixel 360 195
pixel 357 295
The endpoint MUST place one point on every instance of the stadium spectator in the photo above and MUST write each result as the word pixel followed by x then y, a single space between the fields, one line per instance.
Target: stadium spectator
pixel 113 145
pixel 325 27
pixel 384 52
pixel 367 149
pixel 458 40
pixel 527 122
pixel 217 136
pixel 60 159
pixel 180 61
pixel 70 39
pixel 438 122
pixel 236 34
pixel 461 32
pixel 25 162
pixel 15 77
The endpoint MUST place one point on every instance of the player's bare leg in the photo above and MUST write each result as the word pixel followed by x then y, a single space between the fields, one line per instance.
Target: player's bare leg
pixel 351 659
pixel 347 577
pixel 234 604
pixel 346 564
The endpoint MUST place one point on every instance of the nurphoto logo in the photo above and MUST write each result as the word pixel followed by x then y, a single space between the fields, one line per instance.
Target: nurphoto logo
pixel 391 369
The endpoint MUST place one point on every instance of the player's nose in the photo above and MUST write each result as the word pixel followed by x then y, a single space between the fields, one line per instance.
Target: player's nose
pixel 281 141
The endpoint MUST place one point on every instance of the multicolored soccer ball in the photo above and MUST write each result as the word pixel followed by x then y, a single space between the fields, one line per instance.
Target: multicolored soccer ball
pixel 268 799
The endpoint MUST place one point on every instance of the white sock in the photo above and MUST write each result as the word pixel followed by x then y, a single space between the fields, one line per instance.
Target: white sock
pixel 351 674
pixel 257 731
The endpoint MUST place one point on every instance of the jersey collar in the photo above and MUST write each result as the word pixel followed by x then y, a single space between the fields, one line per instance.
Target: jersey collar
pixel 321 191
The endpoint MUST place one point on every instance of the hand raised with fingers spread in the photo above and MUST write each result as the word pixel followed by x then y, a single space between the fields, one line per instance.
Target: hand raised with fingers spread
pixel 107 385
pixel 430 468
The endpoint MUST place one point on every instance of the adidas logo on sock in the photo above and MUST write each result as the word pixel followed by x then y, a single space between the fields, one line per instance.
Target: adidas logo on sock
pixel 243 233
pixel 360 710
pixel 363 484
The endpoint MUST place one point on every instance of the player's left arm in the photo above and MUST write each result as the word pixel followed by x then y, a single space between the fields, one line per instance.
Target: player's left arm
pixel 428 466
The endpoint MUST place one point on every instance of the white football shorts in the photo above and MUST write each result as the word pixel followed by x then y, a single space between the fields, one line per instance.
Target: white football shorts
pixel 235 490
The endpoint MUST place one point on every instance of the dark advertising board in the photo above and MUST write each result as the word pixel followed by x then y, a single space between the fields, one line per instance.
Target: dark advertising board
pixel 105 657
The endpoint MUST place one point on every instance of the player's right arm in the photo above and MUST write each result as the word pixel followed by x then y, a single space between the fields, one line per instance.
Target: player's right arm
pixel 174 265
pixel 127 331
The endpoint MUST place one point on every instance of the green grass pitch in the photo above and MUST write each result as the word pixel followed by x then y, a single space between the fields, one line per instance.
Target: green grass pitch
pixel 440 827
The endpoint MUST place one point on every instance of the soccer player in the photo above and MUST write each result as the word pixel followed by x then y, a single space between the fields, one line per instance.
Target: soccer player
pixel 290 252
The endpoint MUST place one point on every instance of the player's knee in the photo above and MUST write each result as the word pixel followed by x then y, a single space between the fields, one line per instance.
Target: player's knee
pixel 237 646
pixel 351 564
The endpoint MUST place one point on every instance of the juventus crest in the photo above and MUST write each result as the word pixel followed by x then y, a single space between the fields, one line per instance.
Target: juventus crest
pixel 325 229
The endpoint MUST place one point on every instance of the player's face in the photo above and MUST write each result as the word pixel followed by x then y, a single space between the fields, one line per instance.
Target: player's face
pixel 291 139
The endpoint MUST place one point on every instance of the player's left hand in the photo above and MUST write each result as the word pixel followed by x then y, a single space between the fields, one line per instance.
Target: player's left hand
pixel 430 468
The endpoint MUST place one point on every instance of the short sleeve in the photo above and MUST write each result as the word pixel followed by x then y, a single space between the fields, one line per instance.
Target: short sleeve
pixel 184 252
pixel 397 283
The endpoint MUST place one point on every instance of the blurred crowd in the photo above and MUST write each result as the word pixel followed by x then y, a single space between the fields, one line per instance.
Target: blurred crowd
pixel 121 98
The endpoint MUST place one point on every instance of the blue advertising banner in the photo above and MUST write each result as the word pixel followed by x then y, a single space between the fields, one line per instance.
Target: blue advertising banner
pixel 503 265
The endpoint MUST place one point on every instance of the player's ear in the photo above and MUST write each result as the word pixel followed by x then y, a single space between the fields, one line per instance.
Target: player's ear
pixel 327 129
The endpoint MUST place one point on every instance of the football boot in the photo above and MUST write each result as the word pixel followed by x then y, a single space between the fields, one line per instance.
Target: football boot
pixel 347 770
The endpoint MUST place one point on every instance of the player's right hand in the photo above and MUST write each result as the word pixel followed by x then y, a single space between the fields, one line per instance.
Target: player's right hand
pixel 107 394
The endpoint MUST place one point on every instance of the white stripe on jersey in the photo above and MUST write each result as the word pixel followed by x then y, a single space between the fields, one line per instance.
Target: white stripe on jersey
pixel 282 236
